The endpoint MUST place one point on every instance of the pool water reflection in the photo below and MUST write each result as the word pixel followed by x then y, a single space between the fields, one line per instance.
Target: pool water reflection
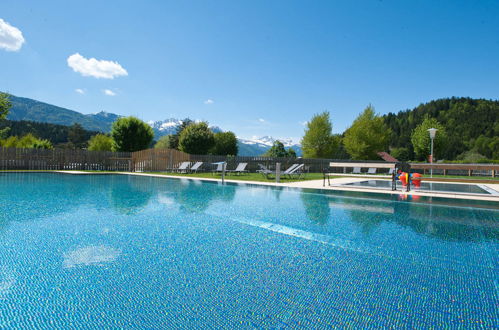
pixel 142 252
pixel 461 188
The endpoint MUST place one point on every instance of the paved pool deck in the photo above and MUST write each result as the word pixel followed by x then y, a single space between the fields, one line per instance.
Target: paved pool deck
pixel 335 184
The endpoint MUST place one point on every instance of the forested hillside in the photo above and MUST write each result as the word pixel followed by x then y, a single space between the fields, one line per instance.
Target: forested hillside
pixel 471 124
pixel 32 110
pixel 57 134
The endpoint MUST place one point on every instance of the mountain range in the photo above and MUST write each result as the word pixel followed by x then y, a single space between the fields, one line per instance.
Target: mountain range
pixel 247 147
pixel 33 110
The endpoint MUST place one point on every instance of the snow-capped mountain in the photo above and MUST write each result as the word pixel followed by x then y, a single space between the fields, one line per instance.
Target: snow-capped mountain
pixel 269 141
pixel 170 126
pixel 257 146
pixel 165 127
pixel 247 147
pixel 33 110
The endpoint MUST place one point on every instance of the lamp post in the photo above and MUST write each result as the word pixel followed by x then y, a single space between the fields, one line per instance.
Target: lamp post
pixel 433 132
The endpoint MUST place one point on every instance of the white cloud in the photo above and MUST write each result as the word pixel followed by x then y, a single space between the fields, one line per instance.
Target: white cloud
pixel 304 123
pixel 261 120
pixel 80 91
pixel 209 101
pixel 11 38
pixel 109 92
pixel 95 68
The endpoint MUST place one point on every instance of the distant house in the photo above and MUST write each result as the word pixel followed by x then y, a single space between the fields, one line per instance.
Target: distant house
pixel 387 157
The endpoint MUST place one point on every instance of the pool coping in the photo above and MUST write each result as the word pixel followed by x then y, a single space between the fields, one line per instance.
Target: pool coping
pixel 316 184
pixel 491 192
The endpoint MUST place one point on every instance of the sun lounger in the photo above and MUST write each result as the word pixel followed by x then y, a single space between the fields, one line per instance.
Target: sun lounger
pixel 356 170
pixel 195 167
pixel 292 167
pixel 183 167
pixel 241 168
pixel 295 171
pixel 219 168
pixel 290 170
pixel 371 170
pixel 264 171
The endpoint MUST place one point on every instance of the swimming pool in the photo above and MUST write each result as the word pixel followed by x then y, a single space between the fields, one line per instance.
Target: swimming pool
pixel 143 252
pixel 460 188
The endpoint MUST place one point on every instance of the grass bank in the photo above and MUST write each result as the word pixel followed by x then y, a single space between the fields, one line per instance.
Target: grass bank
pixel 243 177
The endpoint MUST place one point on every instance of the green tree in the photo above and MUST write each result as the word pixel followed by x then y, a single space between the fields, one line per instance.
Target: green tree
pixel 402 154
pixel 77 136
pixel 471 157
pixel 487 146
pixel 278 150
pixel 100 142
pixel 131 134
pixel 225 144
pixel 420 138
pixel 465 120
pixel 163 143
pixel 4 111
pixel 196 139
pixel 173 139
pixel 367 136
pixel 42 144
pixel 28 141
pixel 318 141
pixel 291 153
pixel 10 142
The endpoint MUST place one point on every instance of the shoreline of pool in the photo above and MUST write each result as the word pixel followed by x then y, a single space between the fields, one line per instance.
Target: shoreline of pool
pixel 337 184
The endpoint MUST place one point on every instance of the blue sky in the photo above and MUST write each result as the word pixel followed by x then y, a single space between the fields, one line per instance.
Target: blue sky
pixel 265 66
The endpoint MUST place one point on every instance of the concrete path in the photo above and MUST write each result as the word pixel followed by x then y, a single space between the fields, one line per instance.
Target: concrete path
pixel 336 184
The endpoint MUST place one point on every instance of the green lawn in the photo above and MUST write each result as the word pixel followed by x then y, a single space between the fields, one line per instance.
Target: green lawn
pixel 309 176
pixel 244 177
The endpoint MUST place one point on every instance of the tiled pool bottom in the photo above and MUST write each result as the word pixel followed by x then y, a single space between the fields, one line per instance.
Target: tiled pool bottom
pixel 136 252
pixel 459 188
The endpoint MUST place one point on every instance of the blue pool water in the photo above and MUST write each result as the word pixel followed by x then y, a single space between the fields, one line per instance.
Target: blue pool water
pixel 140 252
pixel 460 188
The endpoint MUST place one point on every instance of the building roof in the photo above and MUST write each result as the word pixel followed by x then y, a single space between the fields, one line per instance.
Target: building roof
pixel 387 157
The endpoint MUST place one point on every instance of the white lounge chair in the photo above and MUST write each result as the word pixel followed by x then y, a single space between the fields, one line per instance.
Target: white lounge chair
pixel 219 168
pixel 356 170
pixel 241 168
pixel 183 168
pixel 294 170
pixel 372 170
pixel 265 171
pixel 291 168
pixel 195 167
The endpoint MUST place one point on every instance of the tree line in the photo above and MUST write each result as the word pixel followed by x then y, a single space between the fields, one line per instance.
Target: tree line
pixel 367 136
pixel 468 130
pixel 471 127
pixel 197 138
pixel 127 134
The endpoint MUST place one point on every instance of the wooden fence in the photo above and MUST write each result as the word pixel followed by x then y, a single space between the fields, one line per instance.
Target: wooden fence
pixel 457 169
pixel 160 160
pixel 64 159
pixel 163 160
